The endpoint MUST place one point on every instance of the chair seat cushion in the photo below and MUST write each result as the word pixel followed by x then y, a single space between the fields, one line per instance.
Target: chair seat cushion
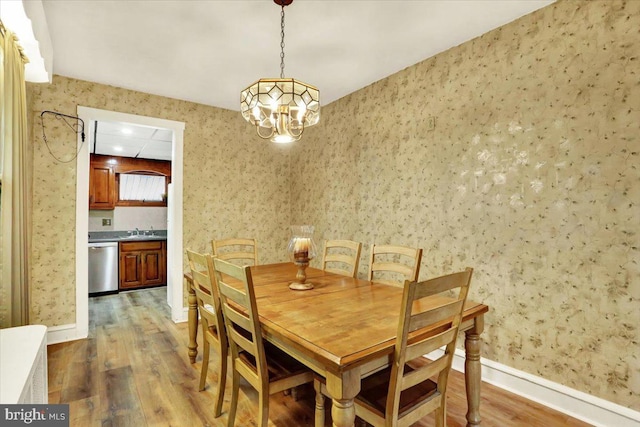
pixel 375 388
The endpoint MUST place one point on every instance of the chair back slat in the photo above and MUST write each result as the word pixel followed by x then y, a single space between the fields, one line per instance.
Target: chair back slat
pixel 243 251
pixel 345 259
pixel 206 305
pixel 395 249
pixel 393 260
pixel 418 376
pixel 445 312
pixel 230 256
pixel 234 295
pixel 439 286
pixel 198 262
pixel 427 346
pixel 246 344
pixel 406 271
pixel 341 257
pixel 238 318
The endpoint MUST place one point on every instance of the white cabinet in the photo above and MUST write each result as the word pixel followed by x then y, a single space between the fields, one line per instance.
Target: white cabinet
pixel 23 365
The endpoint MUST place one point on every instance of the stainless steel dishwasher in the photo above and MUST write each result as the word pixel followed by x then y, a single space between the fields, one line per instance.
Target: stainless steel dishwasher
pixel 103 267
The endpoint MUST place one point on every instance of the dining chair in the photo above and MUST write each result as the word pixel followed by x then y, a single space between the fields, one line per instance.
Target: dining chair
pixel 213 329
pixel 404 392
pixel 340 253
pixel 385 262
pixel 236 250
pixel 268 369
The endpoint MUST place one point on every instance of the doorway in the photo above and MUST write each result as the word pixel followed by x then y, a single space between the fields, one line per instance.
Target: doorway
pixel 174 214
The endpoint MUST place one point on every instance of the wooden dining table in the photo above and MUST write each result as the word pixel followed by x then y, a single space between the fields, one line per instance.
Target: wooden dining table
pixel 343 329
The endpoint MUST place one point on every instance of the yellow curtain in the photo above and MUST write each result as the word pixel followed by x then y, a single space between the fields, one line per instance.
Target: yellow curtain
pixel 15 190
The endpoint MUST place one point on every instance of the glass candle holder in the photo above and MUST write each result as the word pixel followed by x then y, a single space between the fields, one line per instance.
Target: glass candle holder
pixel 302 249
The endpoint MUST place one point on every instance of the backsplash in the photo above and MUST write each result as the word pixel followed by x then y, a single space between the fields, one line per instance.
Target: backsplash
pixel 129 218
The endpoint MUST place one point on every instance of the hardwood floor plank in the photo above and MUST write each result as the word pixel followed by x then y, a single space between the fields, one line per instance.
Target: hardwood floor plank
pixel 85 412
pixel 112 353
pixel 157 402
pixel 120 403
pixel 54 397
pixel 134 371
pixel 57 363
pixel 80 380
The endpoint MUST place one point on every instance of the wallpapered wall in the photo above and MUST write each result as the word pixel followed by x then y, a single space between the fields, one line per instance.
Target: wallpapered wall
pixel 234 184
pixel 531 176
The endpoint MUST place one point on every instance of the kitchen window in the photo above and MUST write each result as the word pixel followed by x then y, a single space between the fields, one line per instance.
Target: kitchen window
pixel 141 189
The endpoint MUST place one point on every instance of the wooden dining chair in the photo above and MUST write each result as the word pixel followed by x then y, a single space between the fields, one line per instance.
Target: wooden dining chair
pixel 268 369
pixel 239 250
pixel 339 254
pixel 404 392
pixel 385 262
pixel 213 329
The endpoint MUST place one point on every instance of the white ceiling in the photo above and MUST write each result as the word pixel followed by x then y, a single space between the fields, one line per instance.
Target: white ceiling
pixel 208 51
pixel 127 140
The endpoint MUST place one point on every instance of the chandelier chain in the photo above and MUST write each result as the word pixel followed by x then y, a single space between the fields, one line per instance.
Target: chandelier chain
pixel 282 42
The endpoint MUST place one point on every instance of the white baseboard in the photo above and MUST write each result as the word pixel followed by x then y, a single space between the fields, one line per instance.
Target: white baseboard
pixel 63 333
pixel 70 332
pixel 184 316
pixel 579 405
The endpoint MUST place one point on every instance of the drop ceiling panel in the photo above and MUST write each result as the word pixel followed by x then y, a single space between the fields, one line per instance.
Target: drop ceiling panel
pixel 162 135
pixel 109 150
pixel 125 129
pixel 159 150
pixel 103 139
pixel 126 140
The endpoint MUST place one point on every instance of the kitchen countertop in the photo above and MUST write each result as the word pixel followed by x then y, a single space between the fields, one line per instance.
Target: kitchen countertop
pixel 125 236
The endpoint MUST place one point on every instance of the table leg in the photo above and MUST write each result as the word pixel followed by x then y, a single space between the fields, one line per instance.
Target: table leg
pixel 342 391
pixel 473 371
pixel 192 321
pixel 319 412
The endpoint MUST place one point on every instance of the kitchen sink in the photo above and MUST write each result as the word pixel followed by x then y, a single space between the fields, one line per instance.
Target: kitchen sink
pixel 120 236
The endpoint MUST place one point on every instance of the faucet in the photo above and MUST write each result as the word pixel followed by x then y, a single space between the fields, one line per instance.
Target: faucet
pixel 152 233
pixel 137 231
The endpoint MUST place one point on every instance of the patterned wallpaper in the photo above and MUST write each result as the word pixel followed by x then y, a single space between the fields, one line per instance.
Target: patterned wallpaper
pixel 531 176
pixel 234 184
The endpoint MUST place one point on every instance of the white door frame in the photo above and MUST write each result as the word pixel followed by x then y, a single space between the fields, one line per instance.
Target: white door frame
pixel 175 295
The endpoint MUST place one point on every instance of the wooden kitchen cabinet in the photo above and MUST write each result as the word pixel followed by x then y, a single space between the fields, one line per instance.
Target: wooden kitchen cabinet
pixel 102 186
pixel 105 174
pixel 142 264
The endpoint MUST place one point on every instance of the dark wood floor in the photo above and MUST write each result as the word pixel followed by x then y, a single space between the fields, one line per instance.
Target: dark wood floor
pixel 133 370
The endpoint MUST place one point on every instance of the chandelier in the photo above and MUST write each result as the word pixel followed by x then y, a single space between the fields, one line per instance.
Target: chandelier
pixel 280 109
